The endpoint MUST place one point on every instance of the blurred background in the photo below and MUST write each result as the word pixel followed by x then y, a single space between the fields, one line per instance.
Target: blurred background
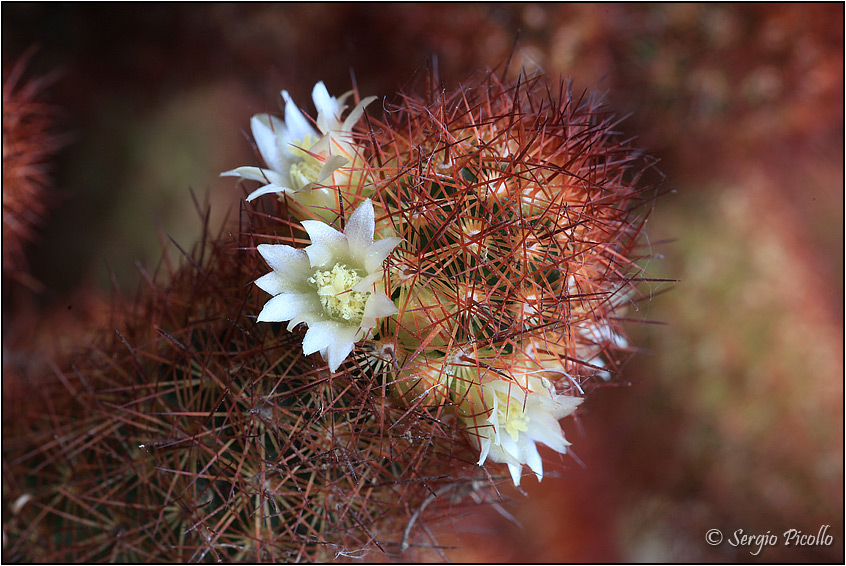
pixel 732 415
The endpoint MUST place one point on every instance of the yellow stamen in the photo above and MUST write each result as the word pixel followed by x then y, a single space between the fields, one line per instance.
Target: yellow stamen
pixel 307 169
pixel 512 416
pixel 334 287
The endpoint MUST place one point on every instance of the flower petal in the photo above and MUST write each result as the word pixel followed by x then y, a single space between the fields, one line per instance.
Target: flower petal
pixel 602 373
pixel 323 101
pixel 565 405
pixel 286 306
pixel 485 447
pixel 378 305
pixel 376 253
pixel 298 126
pixel 341 346
pixel 512 447
pixel 255 174
pixel 320 201
pixel 516 471
pixel 368 283
pixel 273 283
pixel 328 108
pixel 326 243
pixel 266 190
pixel 330 165
pixel 292 263
pixel 356 113
pixel 600 333
pixel 533 459
pixel 497 454
pixel 309 317
pixel 359 230
pixel 548 433
pixel 321 256
pixel 266 130
pixel 319 336
pixel 323 146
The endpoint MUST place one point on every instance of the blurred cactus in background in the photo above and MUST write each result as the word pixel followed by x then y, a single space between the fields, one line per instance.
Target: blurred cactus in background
pixel 29 141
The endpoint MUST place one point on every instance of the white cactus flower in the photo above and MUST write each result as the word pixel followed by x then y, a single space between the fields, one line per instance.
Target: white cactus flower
pixel 601 334
pixel 303 162
pixel 333 285
pixel 517 418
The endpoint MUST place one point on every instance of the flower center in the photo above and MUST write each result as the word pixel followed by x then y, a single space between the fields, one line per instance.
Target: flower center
pixel 307 169
pixel 334 287
pixel 305 172
pixel 512 416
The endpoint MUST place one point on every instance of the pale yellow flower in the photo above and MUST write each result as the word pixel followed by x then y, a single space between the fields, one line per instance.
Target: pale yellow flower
pixel 305 163
pixel 516 417
pixel 333 285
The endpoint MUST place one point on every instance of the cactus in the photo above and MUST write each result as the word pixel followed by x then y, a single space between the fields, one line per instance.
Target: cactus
pixel 519 214
pixel 29 141
pixel 190 431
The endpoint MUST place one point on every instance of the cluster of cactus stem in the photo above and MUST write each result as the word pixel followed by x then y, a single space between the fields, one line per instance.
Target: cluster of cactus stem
pixel 29 140
pixel 519 216
pixel 190 432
